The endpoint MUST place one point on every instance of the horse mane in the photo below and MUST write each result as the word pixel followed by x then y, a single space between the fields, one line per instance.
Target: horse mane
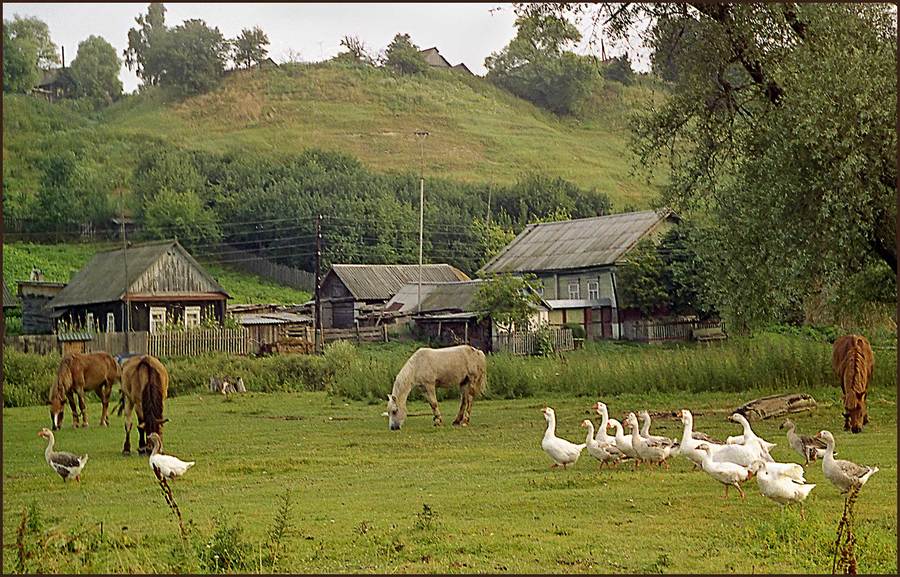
pixel 403 382
pixel 156 378
pixel 64 379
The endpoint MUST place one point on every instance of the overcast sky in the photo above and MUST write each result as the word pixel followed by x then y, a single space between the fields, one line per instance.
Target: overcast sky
pixel 462 32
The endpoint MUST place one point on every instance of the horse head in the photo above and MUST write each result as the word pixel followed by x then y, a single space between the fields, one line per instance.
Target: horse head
pixel 396 413
pixel 57 412
pixel 855 411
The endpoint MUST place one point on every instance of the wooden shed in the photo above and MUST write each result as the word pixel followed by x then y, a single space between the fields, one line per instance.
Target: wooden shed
pixel 37 315
pixel 348 289
pixel 163 285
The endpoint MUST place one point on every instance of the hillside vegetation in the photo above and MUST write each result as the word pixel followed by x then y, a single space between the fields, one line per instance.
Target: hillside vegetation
pixel 479 133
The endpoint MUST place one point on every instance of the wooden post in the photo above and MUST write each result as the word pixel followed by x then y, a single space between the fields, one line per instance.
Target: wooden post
pixel 318 311
pixel 466 331
pixel 384 331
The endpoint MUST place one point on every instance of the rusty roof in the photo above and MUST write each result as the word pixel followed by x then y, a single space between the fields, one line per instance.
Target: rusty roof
pixel 382 281
pixel 574 244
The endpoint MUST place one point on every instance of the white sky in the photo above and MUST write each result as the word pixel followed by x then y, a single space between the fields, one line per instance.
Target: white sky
pixel 462 32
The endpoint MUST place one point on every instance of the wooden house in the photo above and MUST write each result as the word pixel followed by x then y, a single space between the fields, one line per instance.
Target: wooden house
pixel 449 313
pixel 575 262
pixel 56 84
pixel 436 60
pixel 164 285
pixel 349 290
pixel 37 315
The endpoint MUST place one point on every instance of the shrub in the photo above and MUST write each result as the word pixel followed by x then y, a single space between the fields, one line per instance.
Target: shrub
pixel 404 57
pixel 27 378
pixel 578 331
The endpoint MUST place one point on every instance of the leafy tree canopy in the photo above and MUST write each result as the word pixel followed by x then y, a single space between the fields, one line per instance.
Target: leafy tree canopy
pixel 96 71
pixel 404 57
pixel 145 44
pixel 20 56
pixel 36 32
pixel 250 47
pixel 507 299
pixel 194 56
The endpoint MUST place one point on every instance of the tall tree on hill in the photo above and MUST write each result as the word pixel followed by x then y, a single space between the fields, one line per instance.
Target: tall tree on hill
pixel 250 47
pixel 404 57
pixel 355 52
pixel 194 55
pixel 96 71
pixel 20 69
pixel 537 66
pixel 781 127
pixel 145 44
pixel 37 33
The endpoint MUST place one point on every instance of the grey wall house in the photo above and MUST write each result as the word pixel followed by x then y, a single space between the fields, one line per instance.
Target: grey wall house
pixel 349 291
pixel 165 285
pixel 575 262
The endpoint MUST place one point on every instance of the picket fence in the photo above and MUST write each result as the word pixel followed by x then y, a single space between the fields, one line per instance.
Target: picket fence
pixel 525 343
pixel 651 331
pixel 190 343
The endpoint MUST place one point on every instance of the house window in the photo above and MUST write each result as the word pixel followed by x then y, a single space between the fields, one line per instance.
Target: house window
pixel 594 290
pixel 110 322
pixel 574 290
pixel 157 319
pixel 89 322
pixel 191 317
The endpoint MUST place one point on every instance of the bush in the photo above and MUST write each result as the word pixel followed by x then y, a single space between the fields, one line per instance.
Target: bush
pixel 578 331
pixel 260 374
pixel 27 378
pixel 404 57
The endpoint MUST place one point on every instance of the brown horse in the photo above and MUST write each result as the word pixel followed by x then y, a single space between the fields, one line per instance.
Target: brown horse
pixel 853 362
pixel 145 385
pixel 78 372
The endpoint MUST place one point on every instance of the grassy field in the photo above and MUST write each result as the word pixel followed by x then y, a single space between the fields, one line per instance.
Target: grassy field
pixel 426 499
pixel 60 262
pixel 478 132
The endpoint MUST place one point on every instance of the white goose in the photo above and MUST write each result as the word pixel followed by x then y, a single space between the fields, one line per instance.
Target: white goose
pixel 606 441
pixel 690 442
pixel 746 453
pixel 598 450
pixel 562 452
pixel 749 435
pixel 623 443
pixel 647 449
pixel 808 447
pixel 165 466
pixel 729 474
pixel 783 489
pixel 792 471
pixel 67 465
pixel 843 474
pixel 645 431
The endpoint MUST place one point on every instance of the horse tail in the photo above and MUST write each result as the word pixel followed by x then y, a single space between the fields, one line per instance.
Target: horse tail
pixel 855 377
pixel 479 379
pixel 153 394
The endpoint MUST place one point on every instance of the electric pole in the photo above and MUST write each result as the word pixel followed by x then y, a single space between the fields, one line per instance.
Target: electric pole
pixel 421 134
pixel 317 330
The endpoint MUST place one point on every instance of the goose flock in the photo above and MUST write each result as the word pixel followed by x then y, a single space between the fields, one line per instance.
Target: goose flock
pixel 731 463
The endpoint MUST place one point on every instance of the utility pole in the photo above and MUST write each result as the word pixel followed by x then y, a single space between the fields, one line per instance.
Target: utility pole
pixel 422 134
pixel 126 318
pixel 318 312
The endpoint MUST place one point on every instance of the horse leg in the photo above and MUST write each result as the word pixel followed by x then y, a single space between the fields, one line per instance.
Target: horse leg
pixel 70 396
pixel 431 397
pixel 142 426
pixel 81 403
pixel 461 416
pixel 105 392
pixel 126 450
pixel 470 396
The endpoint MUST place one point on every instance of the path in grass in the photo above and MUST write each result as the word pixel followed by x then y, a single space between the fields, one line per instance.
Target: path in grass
pixel 359 491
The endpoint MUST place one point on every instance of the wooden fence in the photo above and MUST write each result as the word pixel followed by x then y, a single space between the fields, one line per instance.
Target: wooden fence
pixel 526 343
pixel 654 331
pixel 257 264
pixel 190 343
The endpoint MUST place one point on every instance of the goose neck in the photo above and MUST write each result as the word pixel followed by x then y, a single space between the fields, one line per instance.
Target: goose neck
pixel 590 433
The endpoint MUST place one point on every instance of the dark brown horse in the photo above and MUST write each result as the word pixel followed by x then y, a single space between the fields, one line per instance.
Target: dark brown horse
pixel 145 385
pixel 77 373
pixel 853 362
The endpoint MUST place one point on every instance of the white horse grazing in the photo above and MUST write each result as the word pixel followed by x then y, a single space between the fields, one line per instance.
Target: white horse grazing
pixel 461 366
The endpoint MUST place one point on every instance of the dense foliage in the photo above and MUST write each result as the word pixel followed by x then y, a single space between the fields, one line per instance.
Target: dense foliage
pixel 404 57
pixel 95 71
pixel 507 300
pixel 619 69
pixel 250 47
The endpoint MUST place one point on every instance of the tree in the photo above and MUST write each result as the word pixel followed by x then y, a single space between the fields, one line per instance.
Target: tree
pixel 71 192
pixel 96 71
pixel 356 52
pixel 535 65
pixel 20 70
pixel 37 33
pixel 250 47
pixel 507 299
pixel 404 57
pixel 145 44
pixel 781 128
pixel 673 35
pixel 194 56
pixel 619 69
pixel 181 214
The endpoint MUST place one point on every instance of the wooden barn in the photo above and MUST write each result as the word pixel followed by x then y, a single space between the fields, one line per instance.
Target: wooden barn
pixel 436 60
pixel 348 290
pixel 164 285
pixel 576 262
pixel 37 315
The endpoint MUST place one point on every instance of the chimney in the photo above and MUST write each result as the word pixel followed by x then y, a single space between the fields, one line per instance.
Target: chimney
pixel 63 56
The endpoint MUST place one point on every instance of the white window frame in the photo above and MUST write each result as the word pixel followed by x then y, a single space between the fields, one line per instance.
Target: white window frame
pixel 110 322
pixel 155 325
pixel 576 294
pixel 192 317
pixel 89 322
pixel 593 290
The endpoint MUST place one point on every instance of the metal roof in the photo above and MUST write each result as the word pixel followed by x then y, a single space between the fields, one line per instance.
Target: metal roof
pixel 574 244
pixel 8 300
pixel 103 278
pixel 440 296
pixel 382 281
pixel 74 337
pixel 578 303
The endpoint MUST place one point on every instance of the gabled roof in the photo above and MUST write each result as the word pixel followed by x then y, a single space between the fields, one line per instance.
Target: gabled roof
pixel 434 58
pixel 461 67
pixel 575 244
pixel 103 278
pixel 438 296
pixel 382 281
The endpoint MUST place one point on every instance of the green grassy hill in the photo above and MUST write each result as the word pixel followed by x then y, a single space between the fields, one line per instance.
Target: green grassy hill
pixel 59 262
pixel 478 132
